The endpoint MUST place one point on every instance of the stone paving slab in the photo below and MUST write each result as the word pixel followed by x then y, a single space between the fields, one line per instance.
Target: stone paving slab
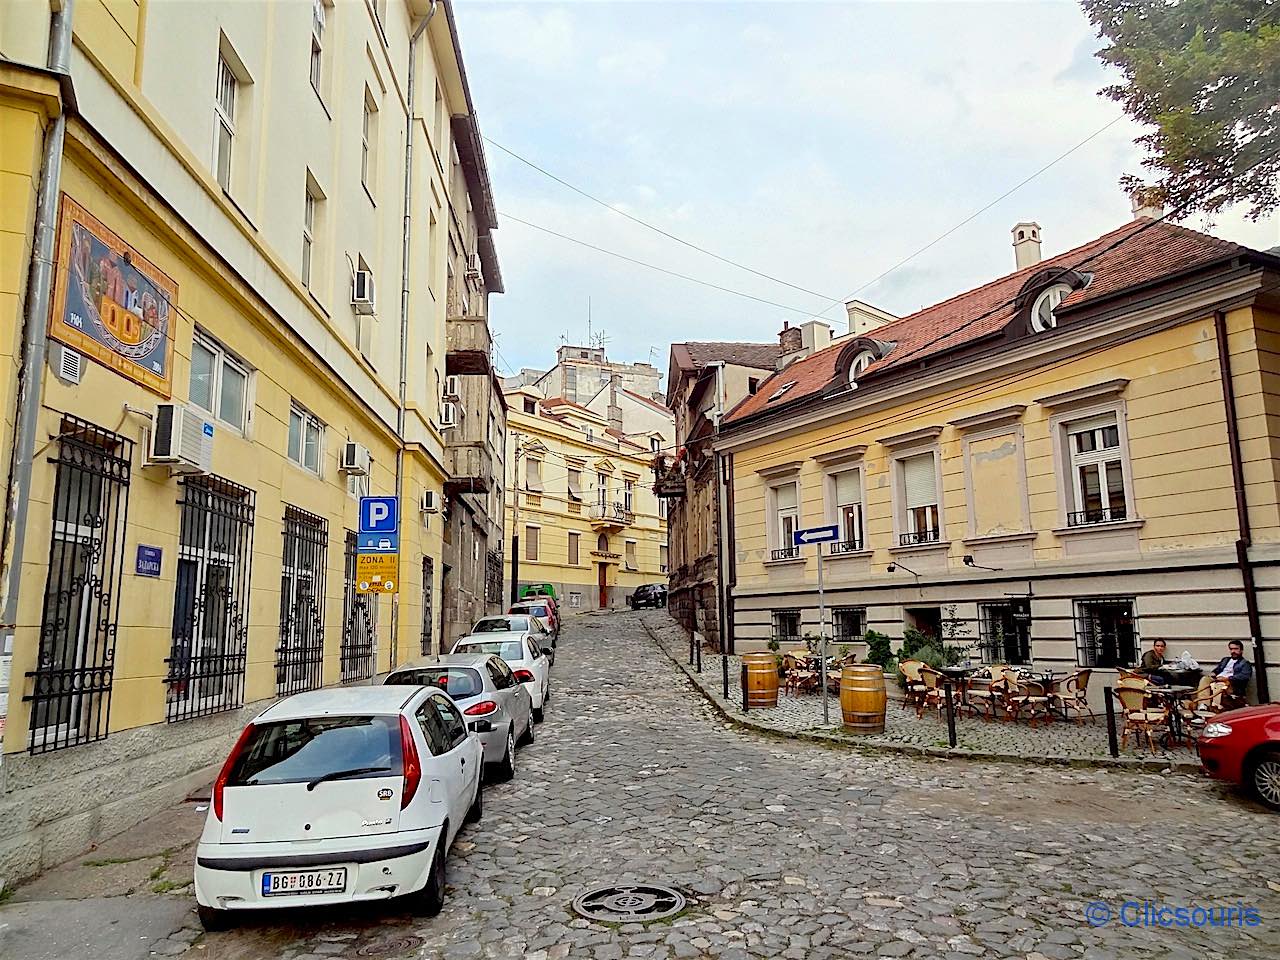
pixel 801 714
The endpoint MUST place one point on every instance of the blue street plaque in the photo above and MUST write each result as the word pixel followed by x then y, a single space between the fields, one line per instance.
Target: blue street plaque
pixel 816 535
pixel 149 561
pixel 379 515
pixel 377 543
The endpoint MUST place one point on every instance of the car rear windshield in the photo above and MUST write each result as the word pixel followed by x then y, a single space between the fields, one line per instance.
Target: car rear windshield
pixel 299 751
pixel 501 625
pixel 507 649
pixel 539 611
pixel 458 682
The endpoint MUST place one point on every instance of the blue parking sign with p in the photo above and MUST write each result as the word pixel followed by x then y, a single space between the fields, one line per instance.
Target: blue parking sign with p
pixel 379 515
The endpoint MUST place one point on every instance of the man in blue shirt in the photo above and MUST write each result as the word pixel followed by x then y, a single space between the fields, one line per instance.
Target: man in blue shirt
pixel 1235 669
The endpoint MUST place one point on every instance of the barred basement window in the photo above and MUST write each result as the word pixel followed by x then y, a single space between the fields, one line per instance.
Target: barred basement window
pixel 786 626
pixel 359 621
pixel 211 599
pixel 300 655
pixel 849 624
pixel 428 574
pixel 71 689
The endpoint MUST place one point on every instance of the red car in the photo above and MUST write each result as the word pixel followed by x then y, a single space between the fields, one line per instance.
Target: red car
pixel 543 607
pixel 1243 746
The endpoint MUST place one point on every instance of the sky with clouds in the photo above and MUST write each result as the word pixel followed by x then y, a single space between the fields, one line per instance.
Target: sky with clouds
pixel 819 143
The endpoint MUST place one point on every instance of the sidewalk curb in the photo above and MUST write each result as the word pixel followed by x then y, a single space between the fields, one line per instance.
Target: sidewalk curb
pixel 1132 764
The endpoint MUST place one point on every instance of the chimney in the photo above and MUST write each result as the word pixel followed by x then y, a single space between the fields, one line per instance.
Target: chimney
pixel 790 339
pixel 615 410
pixel 815 336
pixel 863 317
pixel 1026 244
pixel 1143 205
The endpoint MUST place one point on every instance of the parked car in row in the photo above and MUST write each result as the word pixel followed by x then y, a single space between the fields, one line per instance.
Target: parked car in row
pixel 648 595
pixel 339 795
pixel 544 608
pixel 527 623
pixel 1243 747
pixel 497 706
pixel 520 649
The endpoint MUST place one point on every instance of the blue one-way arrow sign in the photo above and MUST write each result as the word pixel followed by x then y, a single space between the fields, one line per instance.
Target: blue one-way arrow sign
pixel 816 535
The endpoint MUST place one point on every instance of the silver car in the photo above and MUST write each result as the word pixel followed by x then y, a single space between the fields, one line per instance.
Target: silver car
pixel 496 706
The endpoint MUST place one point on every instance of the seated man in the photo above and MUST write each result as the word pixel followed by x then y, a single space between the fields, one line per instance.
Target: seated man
pixel 1153 659
pixel 1235 669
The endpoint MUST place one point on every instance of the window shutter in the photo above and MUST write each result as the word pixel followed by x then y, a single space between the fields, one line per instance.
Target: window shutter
pixel 918 484
pixel 847 487
pixel 786 496
pixel 533 474
pixel 575 485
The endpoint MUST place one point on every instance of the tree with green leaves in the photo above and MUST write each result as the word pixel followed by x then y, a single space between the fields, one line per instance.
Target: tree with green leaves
pixel 1205 74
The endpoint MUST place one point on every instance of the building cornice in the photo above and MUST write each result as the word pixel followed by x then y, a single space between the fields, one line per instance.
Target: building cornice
pixel 844 455
pixel 1088 394
pixel 912 437
pixel 778 470
pixel 991 418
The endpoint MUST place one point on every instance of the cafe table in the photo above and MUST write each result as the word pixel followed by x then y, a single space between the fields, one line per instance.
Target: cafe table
pixel 1171 694
pixel 959 677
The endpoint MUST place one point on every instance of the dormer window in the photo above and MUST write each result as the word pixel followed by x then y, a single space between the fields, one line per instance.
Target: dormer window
pixel 861 361
pixel 1043 316
pixel 781 390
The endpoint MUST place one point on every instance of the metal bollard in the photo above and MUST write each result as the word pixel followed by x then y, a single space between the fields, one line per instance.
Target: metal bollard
pixel 951 714
pixel 724 663
pixel 1112 743
pixel 744 688
pixel 699 668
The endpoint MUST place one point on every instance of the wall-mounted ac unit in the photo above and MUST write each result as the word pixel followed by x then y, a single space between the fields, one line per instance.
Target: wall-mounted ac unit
pixel 448 414
pixel 453 387
pixel 362 298
pixel 181 439
pixel 355 459
pixel 430 503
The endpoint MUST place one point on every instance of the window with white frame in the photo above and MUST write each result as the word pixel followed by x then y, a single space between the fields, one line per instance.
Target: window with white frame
pixel 920 516
pixel 533 475
pixel 317 47
pixel 846 490
pixel 862 360
pixel 663 562
pixel 224 122
pixel 628 495
pixel 219 381
pixel 310 201
pixel 786 519
pixel 602 489
pixel 306 438
pixel 662 508
pixel 1043 315
pixel 368 141
pixel 1097 471
pixel 629 555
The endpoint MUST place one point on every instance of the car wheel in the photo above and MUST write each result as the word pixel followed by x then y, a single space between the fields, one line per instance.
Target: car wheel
pixel 476 810
pixel 507 768
pixel 213 919
pixel 537 718
pixel 1263 778
pixel 430 899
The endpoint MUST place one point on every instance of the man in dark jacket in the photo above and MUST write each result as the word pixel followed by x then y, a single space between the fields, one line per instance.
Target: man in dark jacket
pixel 1235 669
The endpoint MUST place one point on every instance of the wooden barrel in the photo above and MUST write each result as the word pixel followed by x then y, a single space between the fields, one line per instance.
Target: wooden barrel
pixel 863 698
pixel 762 680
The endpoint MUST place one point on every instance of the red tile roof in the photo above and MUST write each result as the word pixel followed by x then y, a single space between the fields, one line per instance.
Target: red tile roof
pixel 761 356
pixel 661 408
pixel 1139 252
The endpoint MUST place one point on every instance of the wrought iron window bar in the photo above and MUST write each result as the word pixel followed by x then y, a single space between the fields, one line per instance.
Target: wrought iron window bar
pixel 428 575
pixel 845 546
pixel 918 537
pixel 359 621
pixel 1081 518
pixel 784 553
pixel 304 561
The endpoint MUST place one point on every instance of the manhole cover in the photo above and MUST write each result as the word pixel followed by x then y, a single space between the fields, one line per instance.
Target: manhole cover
pixel 390 947
pixel 629 903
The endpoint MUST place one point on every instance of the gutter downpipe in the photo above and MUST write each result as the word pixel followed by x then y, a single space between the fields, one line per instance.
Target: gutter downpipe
pixel 31 374
pixel 1242 508
pixel 404 312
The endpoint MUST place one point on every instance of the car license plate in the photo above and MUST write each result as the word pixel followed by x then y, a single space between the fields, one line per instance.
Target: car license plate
pixel 303 882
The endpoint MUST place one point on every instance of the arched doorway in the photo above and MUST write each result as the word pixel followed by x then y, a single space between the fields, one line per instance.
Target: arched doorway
pixel 602 570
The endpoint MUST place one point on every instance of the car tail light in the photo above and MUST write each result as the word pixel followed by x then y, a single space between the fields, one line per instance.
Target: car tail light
pixel 524 676
pixel 412 768
pixel 225 773
pixel 481 709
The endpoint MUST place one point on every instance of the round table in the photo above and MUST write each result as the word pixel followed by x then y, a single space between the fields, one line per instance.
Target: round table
pixel 1171 694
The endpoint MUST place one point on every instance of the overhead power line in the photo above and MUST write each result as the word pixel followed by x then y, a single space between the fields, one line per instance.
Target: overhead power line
pixel 649 226
pixel 641 263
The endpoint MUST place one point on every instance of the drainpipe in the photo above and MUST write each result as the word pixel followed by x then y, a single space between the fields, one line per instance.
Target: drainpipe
pixel 404 311
pixel 1242 508
pixel 31 375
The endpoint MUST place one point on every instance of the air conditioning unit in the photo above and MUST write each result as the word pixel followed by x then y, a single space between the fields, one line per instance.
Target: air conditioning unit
pixel 355 459
pixel 362 292
pixel 473 267
pixel 181 439
pixel 430 502
pixel 453 387
pixel 448 414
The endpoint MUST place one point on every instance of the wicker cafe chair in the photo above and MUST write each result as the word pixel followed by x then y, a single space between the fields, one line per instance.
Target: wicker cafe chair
pixel 910 670
pixel 980 698
pixel 1203 706
pixel 933 694
pixel 1029 696
pixel 1125 673
pixel 1138 717
pixel 1073 696
pixel 797 679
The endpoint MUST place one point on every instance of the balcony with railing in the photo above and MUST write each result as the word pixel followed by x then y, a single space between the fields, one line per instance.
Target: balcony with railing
pixel 785 553
pixel 468 344
pixel 615 515
pixel 841 547
pixel 1085 518
pixel 918 537
pixel 470 468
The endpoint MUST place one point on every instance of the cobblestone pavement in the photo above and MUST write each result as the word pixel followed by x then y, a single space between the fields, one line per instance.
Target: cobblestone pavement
pixel 799 851
pixel 803 712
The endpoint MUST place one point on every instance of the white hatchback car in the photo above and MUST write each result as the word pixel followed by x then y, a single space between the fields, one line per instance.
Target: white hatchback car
pixel 528 661
pixel 339 795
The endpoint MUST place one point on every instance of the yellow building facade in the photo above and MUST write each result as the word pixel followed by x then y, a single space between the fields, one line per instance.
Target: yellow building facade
pixel 580 501
pixel 1052 485
pixel 226 346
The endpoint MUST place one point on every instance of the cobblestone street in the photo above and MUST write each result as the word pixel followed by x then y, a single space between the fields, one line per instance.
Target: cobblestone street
pixel 794 850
